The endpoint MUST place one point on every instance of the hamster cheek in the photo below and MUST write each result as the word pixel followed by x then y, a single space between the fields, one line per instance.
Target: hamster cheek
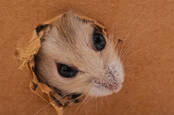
pixel 97 92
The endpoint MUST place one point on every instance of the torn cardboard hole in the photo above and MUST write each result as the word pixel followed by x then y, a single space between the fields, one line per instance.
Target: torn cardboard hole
pixel 49 94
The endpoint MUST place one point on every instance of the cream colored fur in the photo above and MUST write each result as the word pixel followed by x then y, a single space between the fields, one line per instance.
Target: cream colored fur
pixel 69 41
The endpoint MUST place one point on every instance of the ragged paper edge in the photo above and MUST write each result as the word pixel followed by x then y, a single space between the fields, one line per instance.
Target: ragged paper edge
pixel 27 58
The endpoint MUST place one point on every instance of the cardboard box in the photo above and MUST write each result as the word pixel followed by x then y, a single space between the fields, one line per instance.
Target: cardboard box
pixel 145 26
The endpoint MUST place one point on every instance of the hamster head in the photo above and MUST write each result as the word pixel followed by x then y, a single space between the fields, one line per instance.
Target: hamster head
pixel 77 56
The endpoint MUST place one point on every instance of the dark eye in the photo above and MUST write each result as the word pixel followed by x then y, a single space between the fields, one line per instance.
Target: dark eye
pixel 99 41
pixel 66 71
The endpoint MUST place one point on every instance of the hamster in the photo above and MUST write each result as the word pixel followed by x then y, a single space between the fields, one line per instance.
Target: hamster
pixel 77 56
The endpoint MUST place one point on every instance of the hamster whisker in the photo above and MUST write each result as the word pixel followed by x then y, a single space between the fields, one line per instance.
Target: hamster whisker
pixel 119 43
pixel 105 99
pixel 136 35
pixel 96 104
pixel 102 102
pixel 124 55
pixel 43 108
pixel 121 49
pixel 83 103
pixel 139 50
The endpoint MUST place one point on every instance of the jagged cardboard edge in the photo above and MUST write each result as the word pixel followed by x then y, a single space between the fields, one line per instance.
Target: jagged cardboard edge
pixel 41 89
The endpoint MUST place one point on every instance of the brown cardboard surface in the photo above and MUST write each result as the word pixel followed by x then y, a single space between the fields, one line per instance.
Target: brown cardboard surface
pixel 146 26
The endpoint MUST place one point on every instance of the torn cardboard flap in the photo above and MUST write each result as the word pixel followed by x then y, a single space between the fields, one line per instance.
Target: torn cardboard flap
pixel 43 90
pixel 40 89
pixel 37 87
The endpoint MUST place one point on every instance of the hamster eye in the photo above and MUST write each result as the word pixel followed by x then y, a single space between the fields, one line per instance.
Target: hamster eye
pixel 98 41
pixel 66 71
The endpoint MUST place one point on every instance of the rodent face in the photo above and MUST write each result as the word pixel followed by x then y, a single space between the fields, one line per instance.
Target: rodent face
pixel 76 56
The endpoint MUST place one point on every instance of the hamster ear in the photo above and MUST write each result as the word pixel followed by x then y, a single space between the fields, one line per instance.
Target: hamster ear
pixel 41 27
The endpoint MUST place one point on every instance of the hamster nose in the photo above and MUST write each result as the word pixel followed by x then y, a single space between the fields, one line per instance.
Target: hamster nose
pixel 115 73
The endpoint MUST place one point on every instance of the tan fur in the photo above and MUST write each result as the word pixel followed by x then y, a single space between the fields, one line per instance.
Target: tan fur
pixel 69 41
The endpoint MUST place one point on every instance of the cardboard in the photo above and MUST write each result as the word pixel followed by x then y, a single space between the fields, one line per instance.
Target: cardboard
pixel 27 58
pixel 146 27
